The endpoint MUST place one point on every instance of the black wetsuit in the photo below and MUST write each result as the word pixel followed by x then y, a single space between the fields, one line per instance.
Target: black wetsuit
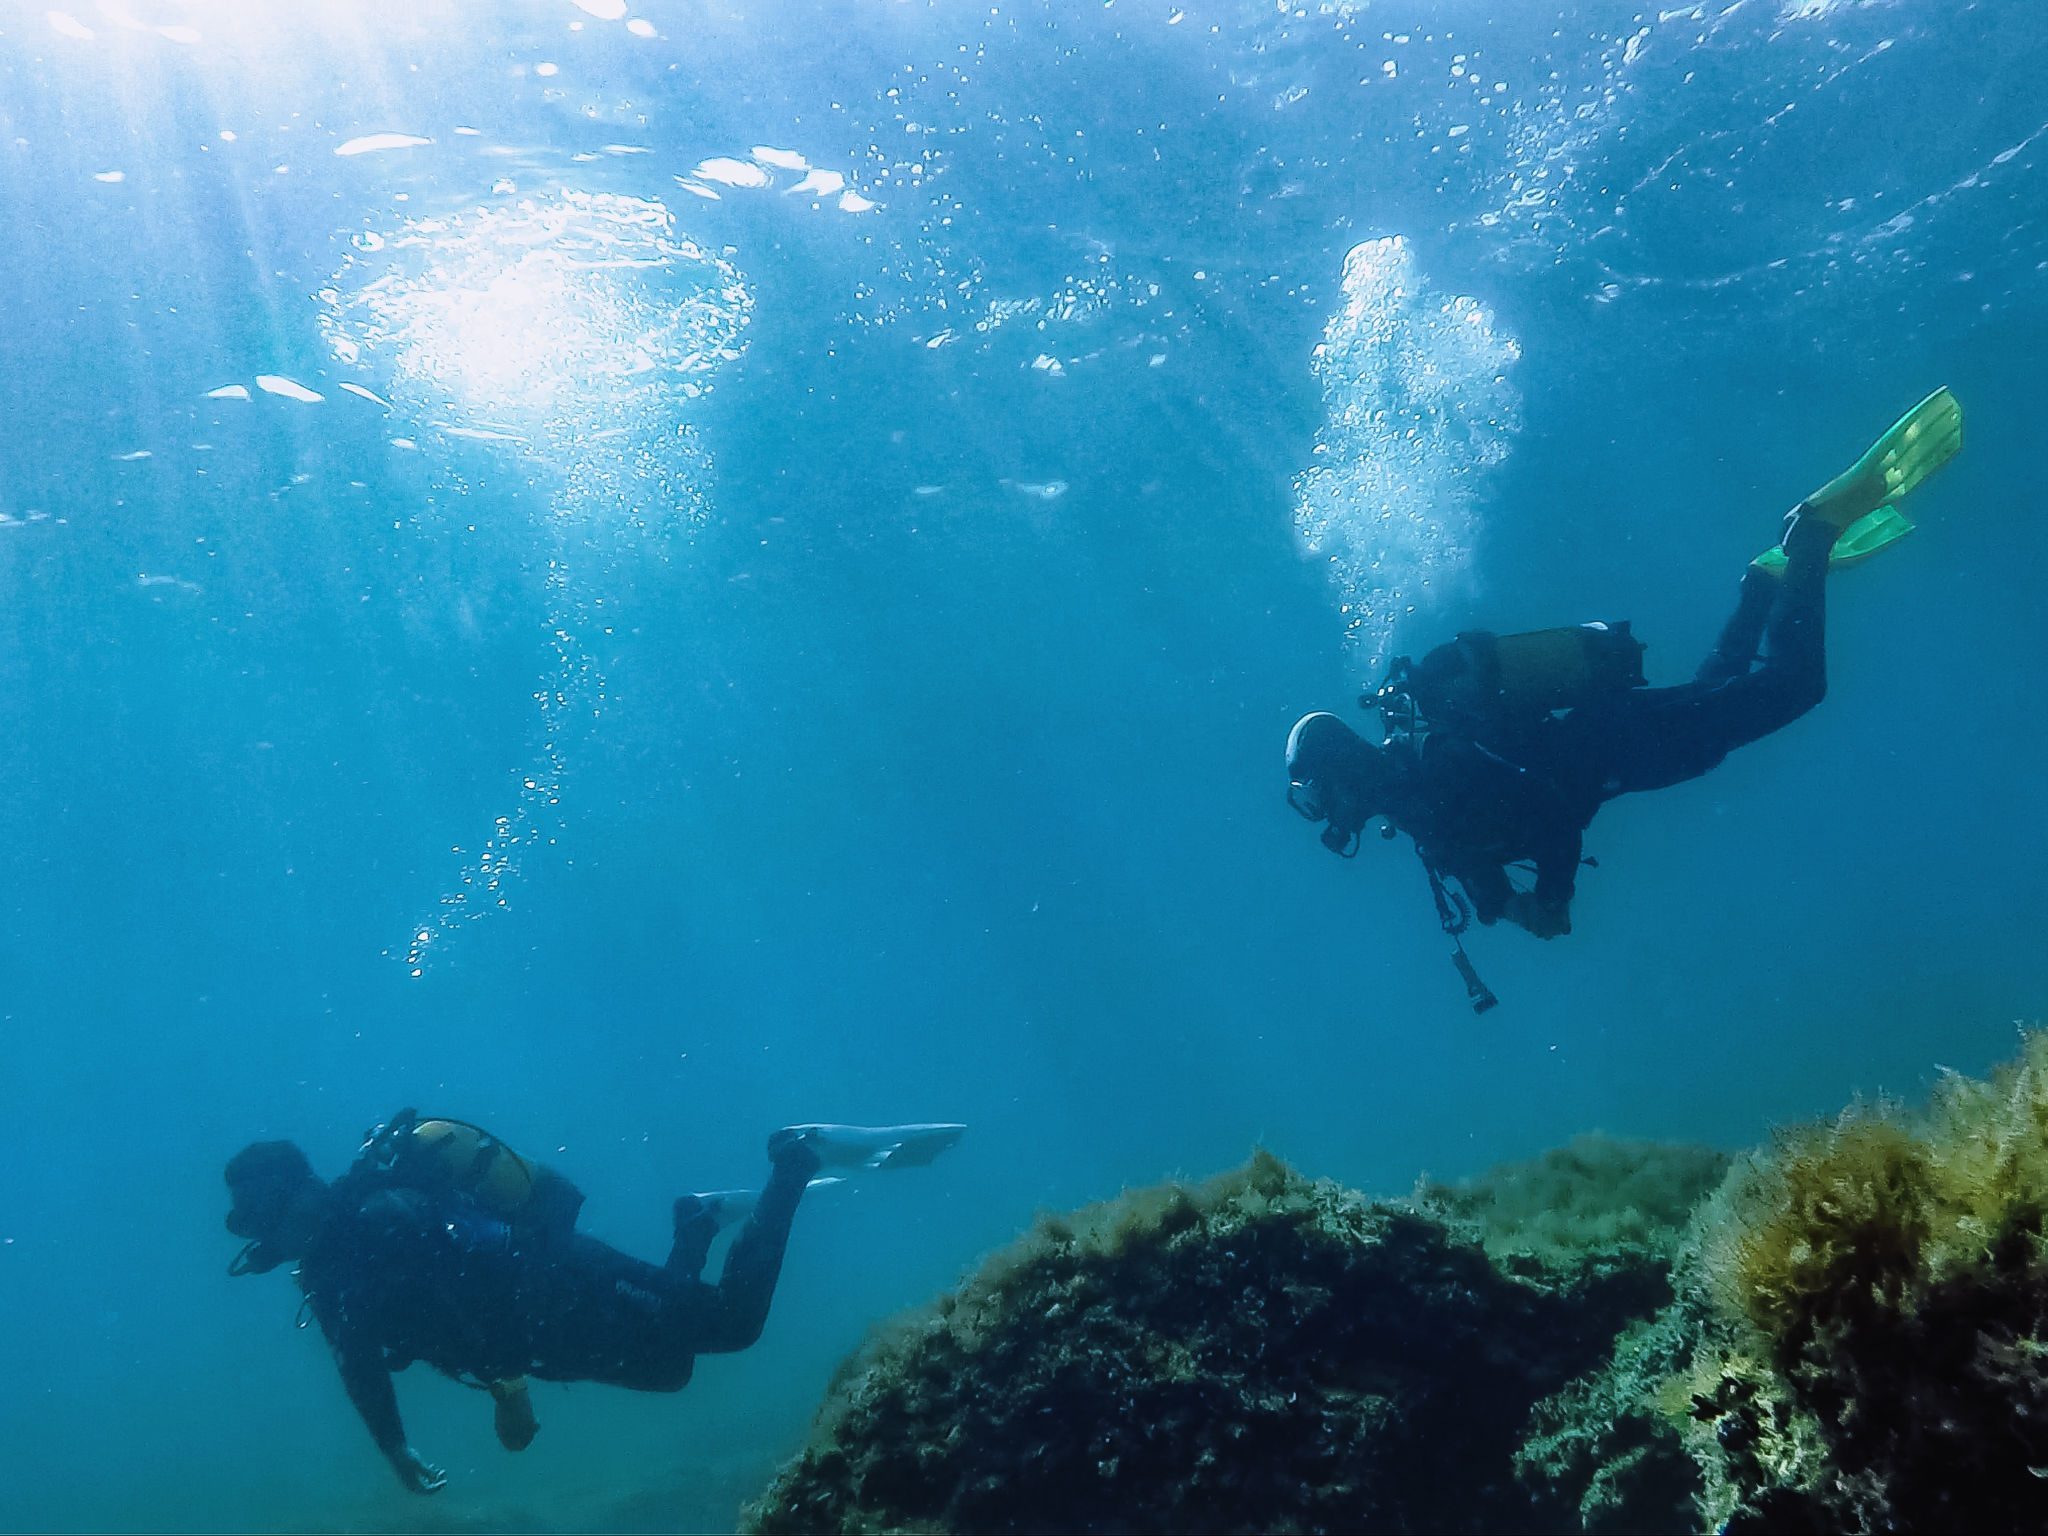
pixel 397 1274
pixel 1477 801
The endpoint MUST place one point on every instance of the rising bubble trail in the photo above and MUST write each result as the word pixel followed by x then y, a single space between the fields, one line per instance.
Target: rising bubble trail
pixel 575 336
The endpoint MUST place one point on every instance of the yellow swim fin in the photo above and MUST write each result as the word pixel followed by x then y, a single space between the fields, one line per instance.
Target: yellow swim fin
pixel 1914 447
pixel 1859 541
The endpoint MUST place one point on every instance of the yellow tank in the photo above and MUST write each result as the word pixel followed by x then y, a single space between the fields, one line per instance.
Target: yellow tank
pixel 477 1162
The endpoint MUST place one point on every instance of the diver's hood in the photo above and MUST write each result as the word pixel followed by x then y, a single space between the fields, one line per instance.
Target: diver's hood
pixel 1315 744
pixel 264 1179
pixel 1322 747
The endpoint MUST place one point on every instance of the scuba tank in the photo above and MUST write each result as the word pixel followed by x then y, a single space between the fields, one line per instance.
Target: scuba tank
pixel 1480 680
pixel 450 1156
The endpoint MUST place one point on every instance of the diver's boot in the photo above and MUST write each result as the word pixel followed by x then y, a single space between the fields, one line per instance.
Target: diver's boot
pixel 1810 542
pixel 1856 543
pixel 729 1207
pixel 698 1221
pixel 866 1146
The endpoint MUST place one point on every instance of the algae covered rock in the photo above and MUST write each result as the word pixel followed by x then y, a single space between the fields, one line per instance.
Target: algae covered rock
pixel 1849 1334
pixel 1611 1444
pixel 1257 1353
pixel 1881 1285
pixel 1860 1336
pixel 1600 1446
pixel 1596 1195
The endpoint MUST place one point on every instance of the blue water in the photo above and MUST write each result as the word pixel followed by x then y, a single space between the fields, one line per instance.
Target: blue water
pixel 810 635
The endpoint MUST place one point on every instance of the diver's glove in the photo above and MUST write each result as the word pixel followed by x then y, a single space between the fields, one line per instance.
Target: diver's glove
pixel 513 1418
pixel 417 1473
pixel 1545 921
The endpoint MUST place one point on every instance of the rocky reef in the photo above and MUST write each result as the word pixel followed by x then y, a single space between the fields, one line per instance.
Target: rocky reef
pixel 1260 1353
pixel 1845 1330
pixel 1859 1335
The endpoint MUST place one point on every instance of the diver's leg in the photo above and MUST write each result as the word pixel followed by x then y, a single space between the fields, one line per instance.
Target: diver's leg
pixel 730 1316
pixel 1654 738
pixel 696 1225
pixel 591 1313
pixel 1735 652
pixel 1795 668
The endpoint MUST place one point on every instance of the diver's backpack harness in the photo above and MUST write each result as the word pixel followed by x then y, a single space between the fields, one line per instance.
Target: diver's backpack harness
pixel 1480 682
pixel 453 1157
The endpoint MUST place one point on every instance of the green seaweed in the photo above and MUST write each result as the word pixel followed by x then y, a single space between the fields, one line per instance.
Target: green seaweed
pixel 1882 1280
pixel 1597 1195
pixel 1858 1337
pixel 1607 1441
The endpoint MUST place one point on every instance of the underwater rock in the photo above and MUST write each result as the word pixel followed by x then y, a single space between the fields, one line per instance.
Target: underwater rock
pixel 1882 1286
pixel 1610 1443
pixel 1859 1336
pixel 1599 1444
pixel 1257 1353
pixel 1597 1195
pixel 1849 1334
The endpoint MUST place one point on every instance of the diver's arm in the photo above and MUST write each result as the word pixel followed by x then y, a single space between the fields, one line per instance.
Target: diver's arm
pixel 1491 892
pixel 369 1388
pixel 1547 910
pixel 553 1205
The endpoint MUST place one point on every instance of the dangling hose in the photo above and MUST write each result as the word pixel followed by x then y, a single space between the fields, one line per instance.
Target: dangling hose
pixel 1454 913
pixel 1455 922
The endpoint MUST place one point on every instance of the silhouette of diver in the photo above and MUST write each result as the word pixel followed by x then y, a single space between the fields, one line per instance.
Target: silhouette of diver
pixel 1501 748
pixel 441 1244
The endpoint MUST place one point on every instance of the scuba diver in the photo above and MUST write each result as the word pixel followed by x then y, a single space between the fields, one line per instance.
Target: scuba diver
pixel 1499 749
pixel 442 1244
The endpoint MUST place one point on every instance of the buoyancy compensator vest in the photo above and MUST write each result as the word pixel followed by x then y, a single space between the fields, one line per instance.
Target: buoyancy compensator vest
pixel 1481 681
pixel 484 1195
pixel 1484 685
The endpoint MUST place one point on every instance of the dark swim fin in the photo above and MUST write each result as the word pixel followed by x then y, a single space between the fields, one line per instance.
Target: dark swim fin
pixel 1859 541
